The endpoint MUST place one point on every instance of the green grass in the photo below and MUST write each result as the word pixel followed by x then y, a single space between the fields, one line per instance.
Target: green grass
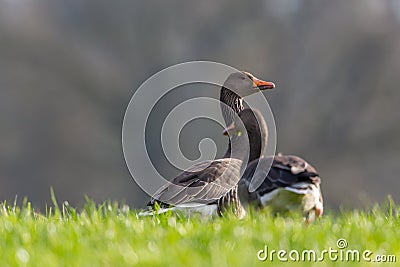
pixel 113 235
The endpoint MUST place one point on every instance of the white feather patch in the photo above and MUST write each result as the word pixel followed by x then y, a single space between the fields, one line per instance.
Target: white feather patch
pixel 300 188
pixel 187 208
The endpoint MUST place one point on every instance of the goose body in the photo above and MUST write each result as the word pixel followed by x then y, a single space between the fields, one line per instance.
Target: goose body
pixel 200 189
pixel 291 184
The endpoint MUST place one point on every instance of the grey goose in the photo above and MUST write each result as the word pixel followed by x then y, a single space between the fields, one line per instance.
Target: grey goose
pixel 291 184
pixel 210 187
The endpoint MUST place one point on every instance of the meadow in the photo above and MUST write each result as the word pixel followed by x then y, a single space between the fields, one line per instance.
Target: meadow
pixel 110 234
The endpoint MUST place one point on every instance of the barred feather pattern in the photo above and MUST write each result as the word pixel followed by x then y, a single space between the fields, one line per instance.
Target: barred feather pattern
pixel 230 201
pixel 231 105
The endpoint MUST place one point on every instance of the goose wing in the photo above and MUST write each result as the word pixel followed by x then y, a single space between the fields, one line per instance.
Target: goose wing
pixel 204 182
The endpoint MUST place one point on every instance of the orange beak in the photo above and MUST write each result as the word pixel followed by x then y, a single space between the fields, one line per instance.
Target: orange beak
pixel 229 128
pixel 262 85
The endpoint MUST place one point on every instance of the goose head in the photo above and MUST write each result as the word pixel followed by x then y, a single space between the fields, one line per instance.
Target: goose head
pixel 244 83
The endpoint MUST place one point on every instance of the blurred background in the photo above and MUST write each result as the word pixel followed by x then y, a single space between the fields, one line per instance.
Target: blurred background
pixel 69 68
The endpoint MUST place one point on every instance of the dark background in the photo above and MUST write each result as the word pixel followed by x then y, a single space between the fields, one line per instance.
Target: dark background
pixel 69 68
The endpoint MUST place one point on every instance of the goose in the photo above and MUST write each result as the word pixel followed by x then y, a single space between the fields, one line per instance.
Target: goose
pixel 290 185
pixel 214 178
